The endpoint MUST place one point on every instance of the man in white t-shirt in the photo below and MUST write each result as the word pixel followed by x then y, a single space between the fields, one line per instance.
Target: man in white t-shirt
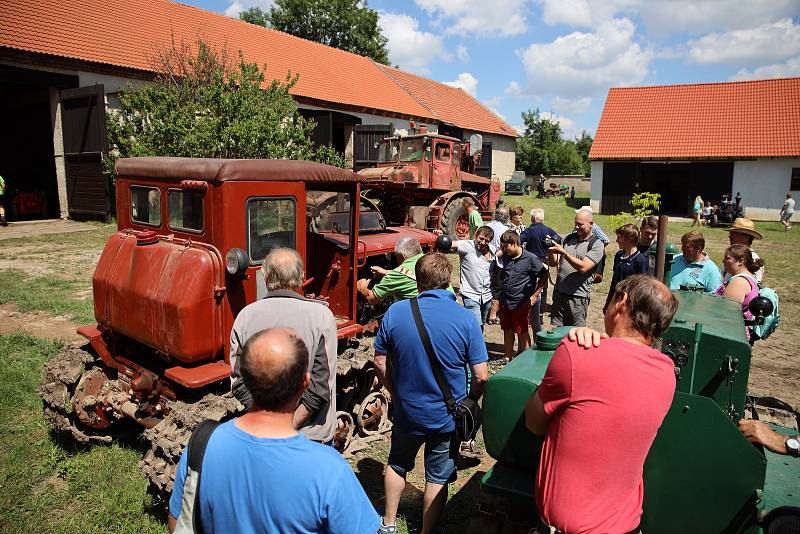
pixel 787 211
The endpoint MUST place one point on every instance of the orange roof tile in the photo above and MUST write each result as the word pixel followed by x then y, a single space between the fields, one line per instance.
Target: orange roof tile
pixel 713 120
pixel 450 104
pixel 127 33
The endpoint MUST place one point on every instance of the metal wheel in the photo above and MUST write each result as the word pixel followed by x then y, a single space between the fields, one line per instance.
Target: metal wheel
pixel 372 413
pixel 345 430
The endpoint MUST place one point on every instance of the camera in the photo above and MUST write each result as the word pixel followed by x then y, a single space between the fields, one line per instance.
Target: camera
pixel 551 240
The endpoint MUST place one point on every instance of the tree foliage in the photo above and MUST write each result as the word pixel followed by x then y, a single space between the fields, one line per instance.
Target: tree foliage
pixel 202 105
pixel 345 24
pixel 255 15
pixel 644 203
pixel 543 150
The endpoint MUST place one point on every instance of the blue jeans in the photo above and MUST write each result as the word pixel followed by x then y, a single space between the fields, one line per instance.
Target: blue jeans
pixel 481 311
pixel 440 455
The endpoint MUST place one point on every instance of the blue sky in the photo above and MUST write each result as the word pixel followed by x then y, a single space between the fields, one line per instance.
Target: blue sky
pixel 561 56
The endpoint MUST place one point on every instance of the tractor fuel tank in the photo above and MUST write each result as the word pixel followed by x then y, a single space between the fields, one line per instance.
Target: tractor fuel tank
pixel 163 293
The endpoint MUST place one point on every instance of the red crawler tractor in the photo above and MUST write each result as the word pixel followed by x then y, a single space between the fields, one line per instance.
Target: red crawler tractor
pixel 422 179
pixel 185 260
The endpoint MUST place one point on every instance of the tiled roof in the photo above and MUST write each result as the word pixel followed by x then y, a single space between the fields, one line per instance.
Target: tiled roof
pixel 713 120
pixel 450 104
pixel 128 33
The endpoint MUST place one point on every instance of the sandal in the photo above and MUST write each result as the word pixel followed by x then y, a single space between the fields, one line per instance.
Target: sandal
pixel 492 321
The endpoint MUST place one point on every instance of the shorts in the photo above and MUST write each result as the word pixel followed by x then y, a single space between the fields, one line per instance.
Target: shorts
pixel 568 310
pixel 785 217
pixel 516 319
pixel 440 455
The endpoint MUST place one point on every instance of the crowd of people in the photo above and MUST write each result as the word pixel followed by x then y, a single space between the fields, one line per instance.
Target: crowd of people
pixel 428 346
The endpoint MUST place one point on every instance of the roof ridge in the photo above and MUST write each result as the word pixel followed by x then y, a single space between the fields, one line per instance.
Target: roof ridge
pixel 381 68
pixel 272 30
pixel 701 84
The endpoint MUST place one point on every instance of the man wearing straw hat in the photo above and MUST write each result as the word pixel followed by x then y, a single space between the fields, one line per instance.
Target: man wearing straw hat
pixel 743 232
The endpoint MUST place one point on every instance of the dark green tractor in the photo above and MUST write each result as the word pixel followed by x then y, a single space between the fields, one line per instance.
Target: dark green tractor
pixel 518 184
pixel 701 474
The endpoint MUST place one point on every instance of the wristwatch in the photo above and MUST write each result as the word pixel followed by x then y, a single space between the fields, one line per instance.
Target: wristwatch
pixel 793 446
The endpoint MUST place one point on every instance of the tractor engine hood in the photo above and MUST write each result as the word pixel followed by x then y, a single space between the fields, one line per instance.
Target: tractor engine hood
pixel 398 173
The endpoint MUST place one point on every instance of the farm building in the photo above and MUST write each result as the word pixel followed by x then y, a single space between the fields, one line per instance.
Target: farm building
pixel 709 139
pixel 62 63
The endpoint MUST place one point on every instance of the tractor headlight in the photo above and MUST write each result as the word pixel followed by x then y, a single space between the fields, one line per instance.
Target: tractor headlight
pixel 236 261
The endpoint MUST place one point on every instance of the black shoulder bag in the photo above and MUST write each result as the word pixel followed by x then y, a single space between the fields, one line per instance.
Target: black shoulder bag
pixel 467 415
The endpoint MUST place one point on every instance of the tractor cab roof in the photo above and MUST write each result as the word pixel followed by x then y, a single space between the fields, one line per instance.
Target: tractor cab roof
pixel 421 136
pixel 225 170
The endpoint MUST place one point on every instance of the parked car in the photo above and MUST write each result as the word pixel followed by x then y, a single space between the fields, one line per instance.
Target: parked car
pixel 519 184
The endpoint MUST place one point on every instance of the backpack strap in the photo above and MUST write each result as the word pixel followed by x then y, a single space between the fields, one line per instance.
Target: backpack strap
pixel 189 521
pixel 437 368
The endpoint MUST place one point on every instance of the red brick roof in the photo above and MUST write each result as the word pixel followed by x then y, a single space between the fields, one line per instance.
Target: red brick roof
pixel 713 120
pixel 128 33
pixel 450 104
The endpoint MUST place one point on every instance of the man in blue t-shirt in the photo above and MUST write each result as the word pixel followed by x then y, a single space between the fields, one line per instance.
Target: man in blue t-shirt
pixel 258 473
pixel 694 269
pixel 420 413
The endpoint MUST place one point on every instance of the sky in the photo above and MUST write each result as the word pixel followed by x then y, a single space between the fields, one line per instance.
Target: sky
pixel 562 56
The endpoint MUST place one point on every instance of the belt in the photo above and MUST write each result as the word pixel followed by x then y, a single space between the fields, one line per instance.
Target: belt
pixel 545 528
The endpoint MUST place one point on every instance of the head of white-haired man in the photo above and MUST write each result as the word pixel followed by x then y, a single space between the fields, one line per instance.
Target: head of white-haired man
pixel 537 215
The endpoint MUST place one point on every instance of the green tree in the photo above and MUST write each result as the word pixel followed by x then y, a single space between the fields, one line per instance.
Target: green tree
pixel 255 15
pixel 542 148
pixel 200 105
pixel 345 24
pixel 583 144
pixel 644 203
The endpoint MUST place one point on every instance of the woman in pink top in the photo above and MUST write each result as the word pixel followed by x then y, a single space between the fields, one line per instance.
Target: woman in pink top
pixel 742 286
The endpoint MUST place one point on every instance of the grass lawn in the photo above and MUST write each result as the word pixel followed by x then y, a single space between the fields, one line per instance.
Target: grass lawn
pixel 52 486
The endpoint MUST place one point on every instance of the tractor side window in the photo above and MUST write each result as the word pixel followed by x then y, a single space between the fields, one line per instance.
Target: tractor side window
pixel 442 152
pixel 388 151
pixel 456 153
pixel 185 210
pixel 146 205
pixel 271 223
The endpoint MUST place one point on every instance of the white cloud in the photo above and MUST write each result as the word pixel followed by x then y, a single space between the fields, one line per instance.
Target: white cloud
pixel 462 53
pixel 513 88
pixel 669 17
pixel 465 81
pixel 520 128
pixel 494 101
pixel 567 125
pixel 787 69
pixel 236 7
pixel 571 105
pixel 581 64
pixel 479 17
pixel 409 47
pixel 763 44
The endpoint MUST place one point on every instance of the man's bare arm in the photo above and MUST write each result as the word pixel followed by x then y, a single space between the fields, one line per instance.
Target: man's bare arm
pixel 480 374
pixel 381 372
pixel 582 265
pixel 536 419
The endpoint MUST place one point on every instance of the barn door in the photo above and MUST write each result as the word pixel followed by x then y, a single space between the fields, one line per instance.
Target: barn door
pixel 485 167
pixel 366 135
pixel 83 124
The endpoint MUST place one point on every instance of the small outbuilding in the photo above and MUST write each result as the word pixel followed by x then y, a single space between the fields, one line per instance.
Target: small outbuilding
pixel 714 140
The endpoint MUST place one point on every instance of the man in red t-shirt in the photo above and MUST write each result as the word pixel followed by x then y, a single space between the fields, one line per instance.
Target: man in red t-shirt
pixel 600 405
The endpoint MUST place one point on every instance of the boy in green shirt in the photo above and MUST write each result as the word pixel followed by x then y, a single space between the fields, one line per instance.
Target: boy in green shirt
pixel 475 219
pixel 2 202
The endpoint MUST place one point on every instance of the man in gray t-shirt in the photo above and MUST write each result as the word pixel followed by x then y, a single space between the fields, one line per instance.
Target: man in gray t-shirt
pixel 787 210
pixel 576 260
pixel 476 256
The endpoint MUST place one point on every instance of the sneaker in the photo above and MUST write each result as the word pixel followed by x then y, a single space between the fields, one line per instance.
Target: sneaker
pixel 470 449
pixel 387 529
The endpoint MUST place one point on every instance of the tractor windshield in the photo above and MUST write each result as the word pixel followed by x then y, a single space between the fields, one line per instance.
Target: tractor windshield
pixel 330 213
pixel 388 151
pixel 412 150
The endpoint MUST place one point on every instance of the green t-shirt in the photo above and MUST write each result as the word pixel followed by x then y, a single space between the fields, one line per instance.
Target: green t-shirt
pixel 2 186
pixel 475 222
pixel 400 282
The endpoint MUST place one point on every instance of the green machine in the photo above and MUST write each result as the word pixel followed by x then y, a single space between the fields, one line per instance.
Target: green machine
pixel 701 474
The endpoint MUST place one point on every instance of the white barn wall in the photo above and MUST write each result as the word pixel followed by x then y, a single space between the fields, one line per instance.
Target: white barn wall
pixel 763 184
pixel 597 186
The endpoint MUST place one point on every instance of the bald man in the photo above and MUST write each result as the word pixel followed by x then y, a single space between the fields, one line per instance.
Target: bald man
pixel 586 488
pixel 255 471
pixel 284 306
pixel 576 259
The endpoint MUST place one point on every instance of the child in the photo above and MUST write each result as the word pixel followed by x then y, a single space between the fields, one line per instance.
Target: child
pixel 628 260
